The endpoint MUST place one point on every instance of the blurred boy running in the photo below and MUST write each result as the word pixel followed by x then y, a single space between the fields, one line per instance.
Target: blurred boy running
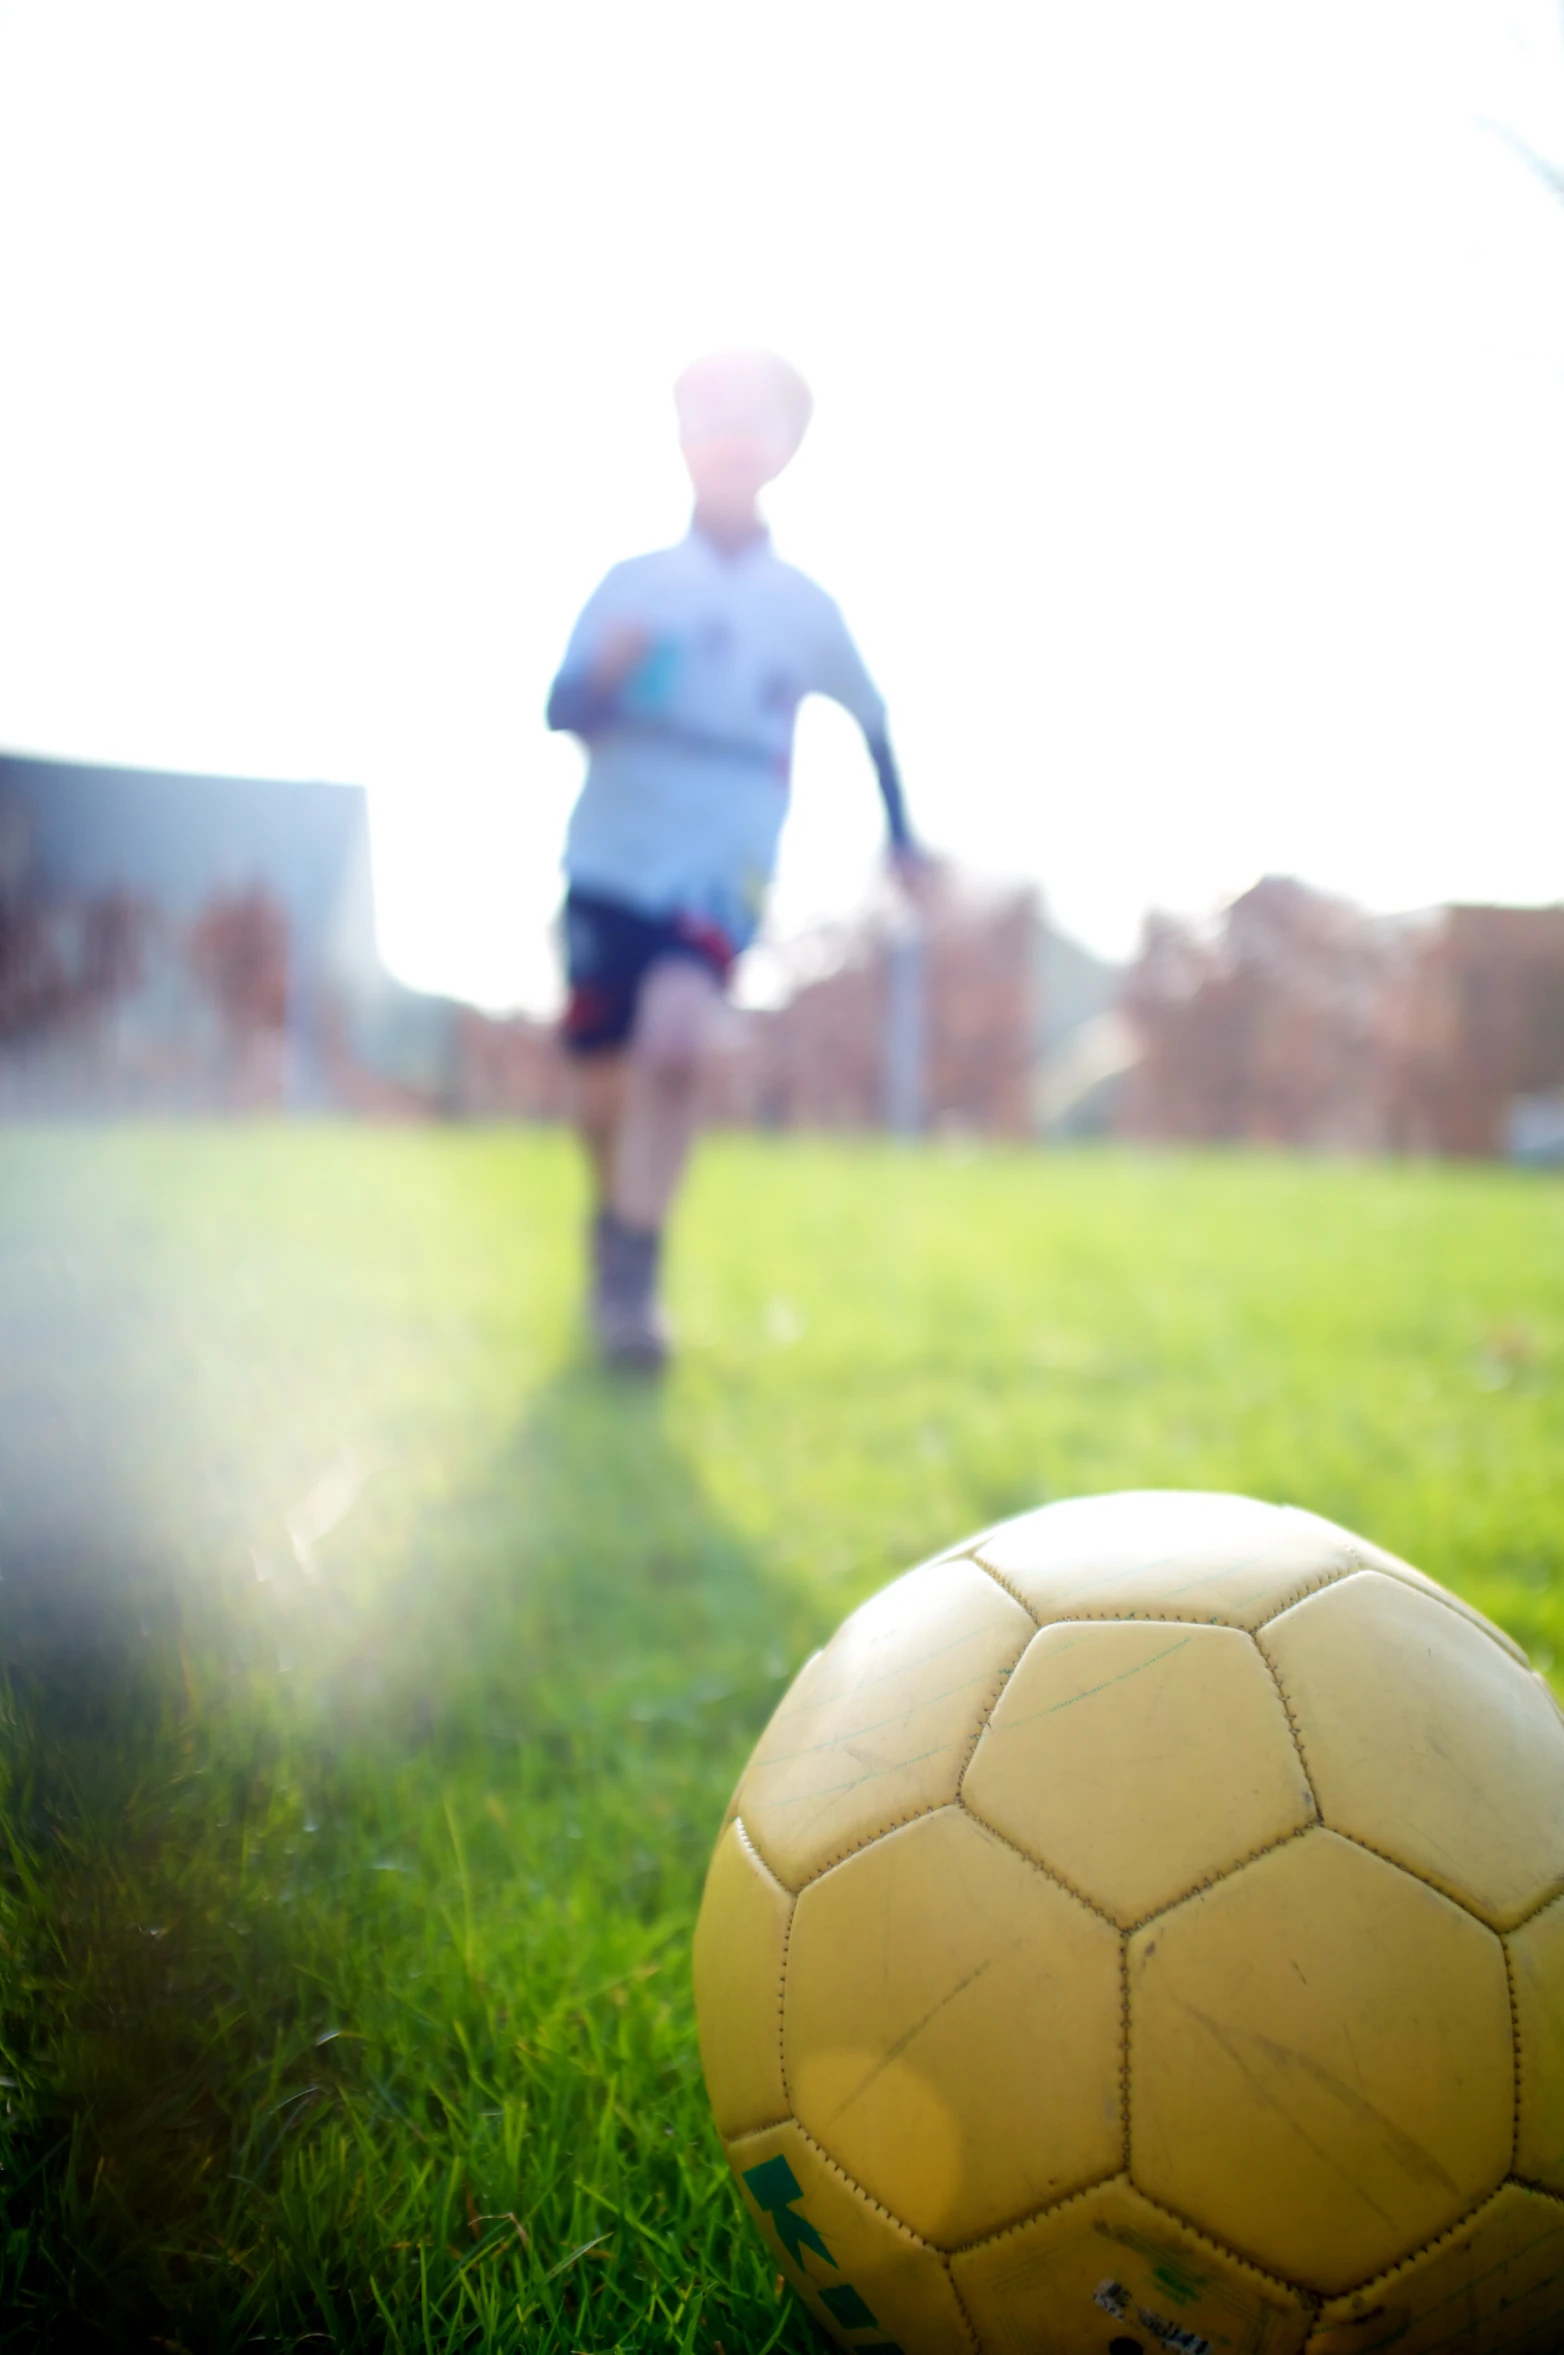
pixel 683 677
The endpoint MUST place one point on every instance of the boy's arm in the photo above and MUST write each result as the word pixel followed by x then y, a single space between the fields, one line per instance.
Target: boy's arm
pixel 846 680
pixel 915 870
pixel 587 695
pixel 585 698
pixel 579 706
pixel 891 793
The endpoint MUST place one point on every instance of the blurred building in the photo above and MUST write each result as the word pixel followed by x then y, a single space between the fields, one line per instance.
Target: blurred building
pixel 1491 1075
pixel 1298 1020
pixel 978 1017
pixel 177 942
pixel 172 941
pixel 506 1067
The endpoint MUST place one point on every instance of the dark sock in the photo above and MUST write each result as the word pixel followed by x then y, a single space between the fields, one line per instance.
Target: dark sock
pixel 627 1256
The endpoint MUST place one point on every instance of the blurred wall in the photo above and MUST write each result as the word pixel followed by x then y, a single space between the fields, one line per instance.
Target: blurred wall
pixel 1298 1020
pixel 170 941
pixel 820 1060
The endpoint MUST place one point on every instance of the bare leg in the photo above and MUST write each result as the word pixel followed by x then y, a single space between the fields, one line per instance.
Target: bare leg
pixel 678 1014
pixel 598 1093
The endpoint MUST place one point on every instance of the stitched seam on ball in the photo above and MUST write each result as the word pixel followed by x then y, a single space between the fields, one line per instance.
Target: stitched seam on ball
pixel 1129 2072
pixel 1541 2191
pixel 1122 2179
pixel 748 1838
pixel 884 1831
pixel 1044 1872
pixel 980 1723
pixel 787 1941
pixel 1106 1618
pixel 1423 1875
pixel 1415 1872
pixel 1202 1888
pixel 974 2342
pixel 990 2240
pixel 1124 2051
pixel 754 1840
pixel 1310 2300
pixel 1315 1584
pixel 905 2230
pixel 1551 1897
pixel 787 1931
pixel 868 2198
pixel 1361 1563
pixel 1452 1604
pixel 1293 1727
pixel 932 1807
pixel 1463 2223
pixel 748 2133
pixel 1515 2056
pixel 1003 1583
pixel 1212 1880
pixel 731 2142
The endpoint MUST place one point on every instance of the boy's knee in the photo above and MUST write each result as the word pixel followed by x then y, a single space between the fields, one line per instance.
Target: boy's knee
pixel 675 1020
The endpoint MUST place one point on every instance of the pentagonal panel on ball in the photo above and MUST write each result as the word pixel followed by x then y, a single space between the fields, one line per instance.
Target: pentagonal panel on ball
pixel 1166 1554
pixel 878 1726
pixel 740 1939
pixel 1138 1759
pixel 1426 1741
pixel 855 2267
pixel 1321 2070
pixel 952 2029
pixel 1106 2269
pixel 1493 2286
pixel 1537 1983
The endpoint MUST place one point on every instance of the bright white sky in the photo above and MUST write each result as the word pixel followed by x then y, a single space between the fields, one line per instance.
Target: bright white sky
pixel 1188 454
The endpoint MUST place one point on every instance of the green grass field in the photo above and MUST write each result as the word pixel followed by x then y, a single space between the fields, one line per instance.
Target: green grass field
pixel 378 1673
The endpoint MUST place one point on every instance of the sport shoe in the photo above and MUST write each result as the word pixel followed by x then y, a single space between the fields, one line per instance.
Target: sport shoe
pixel 627 1324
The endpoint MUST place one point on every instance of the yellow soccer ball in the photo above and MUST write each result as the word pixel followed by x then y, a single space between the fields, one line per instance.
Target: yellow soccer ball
pixel 1140 1931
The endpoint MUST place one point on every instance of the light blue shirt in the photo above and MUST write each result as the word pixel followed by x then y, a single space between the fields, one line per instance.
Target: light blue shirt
pixel 687 780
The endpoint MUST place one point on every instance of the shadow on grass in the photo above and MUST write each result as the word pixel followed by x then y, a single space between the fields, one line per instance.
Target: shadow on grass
pixel 348 1997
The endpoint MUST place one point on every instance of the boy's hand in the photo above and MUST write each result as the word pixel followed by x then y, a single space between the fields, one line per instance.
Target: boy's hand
pixel 918 876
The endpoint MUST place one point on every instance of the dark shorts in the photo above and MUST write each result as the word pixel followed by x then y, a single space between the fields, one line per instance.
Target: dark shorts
pixel 609 950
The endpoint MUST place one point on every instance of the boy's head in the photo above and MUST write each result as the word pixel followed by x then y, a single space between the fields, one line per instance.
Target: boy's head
pixel 741 416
